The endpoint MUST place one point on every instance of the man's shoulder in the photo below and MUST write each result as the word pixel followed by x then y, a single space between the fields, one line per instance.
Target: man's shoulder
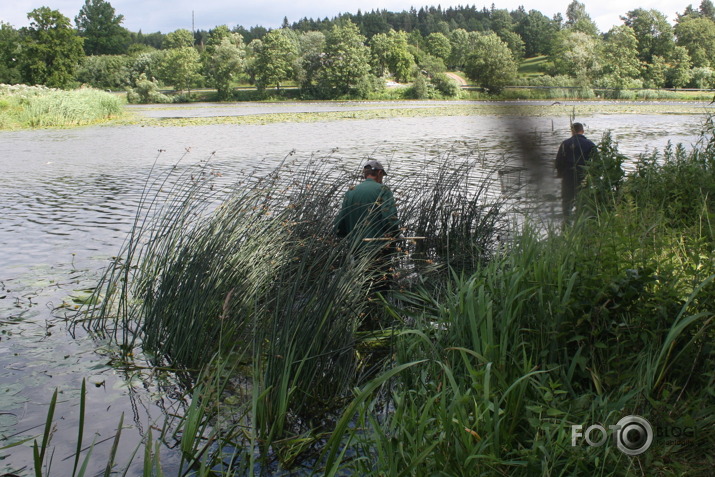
pixel 568 142
pixel 582 138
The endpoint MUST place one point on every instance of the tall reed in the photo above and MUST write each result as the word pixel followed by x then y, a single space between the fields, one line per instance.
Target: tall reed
pixel 255 269
pixel 25 106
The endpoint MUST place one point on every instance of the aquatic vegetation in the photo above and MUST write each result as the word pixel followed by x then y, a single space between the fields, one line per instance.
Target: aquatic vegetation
pixel 486 357
pixel 38 106
pixel 254 269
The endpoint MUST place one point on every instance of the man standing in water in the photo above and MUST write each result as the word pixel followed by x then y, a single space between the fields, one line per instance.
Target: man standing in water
pixel 574 153
pixel 369 215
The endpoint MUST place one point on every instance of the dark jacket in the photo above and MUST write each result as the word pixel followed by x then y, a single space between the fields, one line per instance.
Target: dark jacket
pixel 573 154
pixel 368 211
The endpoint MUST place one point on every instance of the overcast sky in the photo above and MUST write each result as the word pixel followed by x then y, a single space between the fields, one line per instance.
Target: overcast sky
pixel 166 16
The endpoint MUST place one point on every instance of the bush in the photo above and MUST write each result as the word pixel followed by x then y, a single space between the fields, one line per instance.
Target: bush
pixel 703 78
pixel 146 91
pixel 679 183
pixel 420 88
pixel 546 80
pixel 368 85
pixel 445 85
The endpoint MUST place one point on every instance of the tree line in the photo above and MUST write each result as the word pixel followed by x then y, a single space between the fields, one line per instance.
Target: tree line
pixel 352 55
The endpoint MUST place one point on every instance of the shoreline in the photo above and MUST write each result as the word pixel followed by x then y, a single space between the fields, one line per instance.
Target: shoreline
pixel 389 109
pixel 536 108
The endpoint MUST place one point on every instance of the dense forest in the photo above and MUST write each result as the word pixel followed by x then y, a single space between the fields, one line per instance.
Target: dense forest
pixel 353 55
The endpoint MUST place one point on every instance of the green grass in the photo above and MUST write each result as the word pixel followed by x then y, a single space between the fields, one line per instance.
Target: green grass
pixel 39 107
pixel 536 66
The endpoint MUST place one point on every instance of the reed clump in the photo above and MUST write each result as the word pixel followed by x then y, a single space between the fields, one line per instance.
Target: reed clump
pixel 39 107
pixel 254 269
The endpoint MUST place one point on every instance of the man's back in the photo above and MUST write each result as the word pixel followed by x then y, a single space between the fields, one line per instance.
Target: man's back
pixel 574 151
pixel 369 210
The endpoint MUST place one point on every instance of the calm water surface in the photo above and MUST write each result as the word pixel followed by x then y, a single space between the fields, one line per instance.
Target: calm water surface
pixel 68 199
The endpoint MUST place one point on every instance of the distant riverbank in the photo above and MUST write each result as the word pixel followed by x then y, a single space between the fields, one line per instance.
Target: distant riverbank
pixel 28 107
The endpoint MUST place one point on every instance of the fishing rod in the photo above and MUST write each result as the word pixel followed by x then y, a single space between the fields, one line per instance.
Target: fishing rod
pixel 390 239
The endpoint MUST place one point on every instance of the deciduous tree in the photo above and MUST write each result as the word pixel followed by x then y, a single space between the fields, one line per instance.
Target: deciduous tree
pixel 148 64
pixel 180 38
pixel 578 20
pixel 438 45
pixel 346 61
pixel 224 63
pixel 102 29
pixel 491 63
pixel 275 59
pixel 180 68
pixel 653 32
pixel 655 73
pixel 707 9
pixel 679 74
pixel 390 53
pixel 462 45
pixel 9 54
pixel 310 49
pixel 576 54
pixel 503 24
pixel 105 71
pixel 538 32
pixel 619 56
pixel 217 35
pixel 697 36
pixel 51 49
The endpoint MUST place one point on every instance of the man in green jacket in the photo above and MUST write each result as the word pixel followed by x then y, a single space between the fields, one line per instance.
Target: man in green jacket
pixel 368 209
pixel 369 217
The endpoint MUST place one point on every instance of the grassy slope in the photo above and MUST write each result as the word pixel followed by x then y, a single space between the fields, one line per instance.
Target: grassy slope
pixel 533 66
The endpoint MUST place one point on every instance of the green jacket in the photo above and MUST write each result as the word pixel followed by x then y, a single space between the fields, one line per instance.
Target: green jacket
pixel 368 211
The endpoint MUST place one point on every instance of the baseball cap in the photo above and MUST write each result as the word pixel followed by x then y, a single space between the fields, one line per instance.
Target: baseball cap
pixel 374 165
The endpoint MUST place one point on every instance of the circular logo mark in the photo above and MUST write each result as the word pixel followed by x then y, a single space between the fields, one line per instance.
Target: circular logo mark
pixel 634 435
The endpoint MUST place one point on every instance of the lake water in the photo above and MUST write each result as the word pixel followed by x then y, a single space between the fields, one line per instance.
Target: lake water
pixel 68 199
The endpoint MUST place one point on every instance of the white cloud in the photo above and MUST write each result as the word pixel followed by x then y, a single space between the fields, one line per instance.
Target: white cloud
pixel 156 15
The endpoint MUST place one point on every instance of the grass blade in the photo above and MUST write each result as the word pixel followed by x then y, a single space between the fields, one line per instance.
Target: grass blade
pixel 115 445
pixel 82 403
